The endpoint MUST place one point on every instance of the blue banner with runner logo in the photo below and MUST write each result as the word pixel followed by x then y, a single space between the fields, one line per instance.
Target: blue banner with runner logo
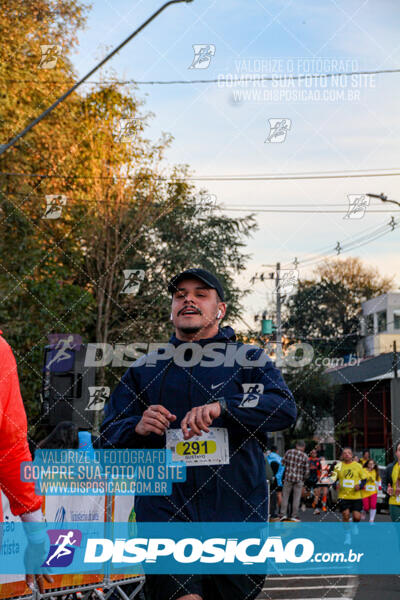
pixel 276 548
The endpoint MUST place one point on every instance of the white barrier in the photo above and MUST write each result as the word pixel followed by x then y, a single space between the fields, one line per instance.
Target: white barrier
pixel 76 509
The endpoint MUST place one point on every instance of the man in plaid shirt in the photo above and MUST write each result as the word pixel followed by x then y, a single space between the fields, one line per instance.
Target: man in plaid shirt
pixel 296 466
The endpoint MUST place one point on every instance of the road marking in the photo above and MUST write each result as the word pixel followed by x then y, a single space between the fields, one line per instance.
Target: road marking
pixel 313 587
pixel 302 577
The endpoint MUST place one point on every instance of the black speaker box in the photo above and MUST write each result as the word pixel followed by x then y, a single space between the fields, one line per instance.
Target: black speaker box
pixel 65 394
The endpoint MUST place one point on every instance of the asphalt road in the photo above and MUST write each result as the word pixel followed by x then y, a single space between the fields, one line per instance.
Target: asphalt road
pixel 332 587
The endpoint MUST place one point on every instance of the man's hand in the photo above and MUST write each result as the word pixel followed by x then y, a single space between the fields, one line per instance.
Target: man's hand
pixel 155 419
pixel 199 419
pixel 390 490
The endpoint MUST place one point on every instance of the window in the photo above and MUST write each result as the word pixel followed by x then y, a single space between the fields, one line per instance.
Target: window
pixel 382 321
pixel 396 319
pixel 369 322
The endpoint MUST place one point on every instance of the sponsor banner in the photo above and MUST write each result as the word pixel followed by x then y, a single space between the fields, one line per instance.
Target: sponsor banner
pixel 123 511
pixel 276 548
pixel 10 584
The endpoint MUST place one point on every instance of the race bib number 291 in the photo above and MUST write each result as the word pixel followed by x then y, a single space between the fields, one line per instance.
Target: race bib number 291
pixel 208 449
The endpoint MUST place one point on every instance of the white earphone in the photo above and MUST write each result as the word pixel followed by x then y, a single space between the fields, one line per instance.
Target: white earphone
pixel 219 314
pixel 171 317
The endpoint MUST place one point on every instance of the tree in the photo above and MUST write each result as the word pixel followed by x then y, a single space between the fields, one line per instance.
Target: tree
pixel 193 234
pixel 122 209
pixel 28 86
pixel 314 399
pixel 31 273
pixel 326 308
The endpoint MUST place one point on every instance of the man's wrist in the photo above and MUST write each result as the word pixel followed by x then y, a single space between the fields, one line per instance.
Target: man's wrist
pixel 222 403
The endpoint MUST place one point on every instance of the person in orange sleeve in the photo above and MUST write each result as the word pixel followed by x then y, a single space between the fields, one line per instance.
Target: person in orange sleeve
pixel 14 450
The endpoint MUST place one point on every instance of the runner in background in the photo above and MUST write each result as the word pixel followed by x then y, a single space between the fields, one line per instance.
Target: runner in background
pixel 391 485
pixel 370 492
pixel 365 458
pixel 275 460
pixel 314 465
pixel 350 478
pixel 325 475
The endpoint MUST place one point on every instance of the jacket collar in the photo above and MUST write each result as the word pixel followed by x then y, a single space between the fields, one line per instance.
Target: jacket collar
pixel 225 334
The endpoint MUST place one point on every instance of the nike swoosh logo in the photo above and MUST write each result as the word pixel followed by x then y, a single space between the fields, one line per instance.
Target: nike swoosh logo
pixel 213 387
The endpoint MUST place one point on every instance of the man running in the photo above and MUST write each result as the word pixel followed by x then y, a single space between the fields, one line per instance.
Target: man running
pixel 63 541
pixel 350 478
pixel 391 485
pixel 275 460
pixel 314 464
pixel 162 400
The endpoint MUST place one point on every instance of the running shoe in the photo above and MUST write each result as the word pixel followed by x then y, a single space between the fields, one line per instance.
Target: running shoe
pixel 316 511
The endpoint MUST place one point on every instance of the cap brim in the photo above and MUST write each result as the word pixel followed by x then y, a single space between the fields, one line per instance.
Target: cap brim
pixel 172 286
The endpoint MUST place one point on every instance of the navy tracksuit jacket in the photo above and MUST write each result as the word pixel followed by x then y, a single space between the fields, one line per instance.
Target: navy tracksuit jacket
pixel 233 492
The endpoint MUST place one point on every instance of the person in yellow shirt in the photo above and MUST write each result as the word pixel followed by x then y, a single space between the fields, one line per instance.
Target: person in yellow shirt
pixel 350 478
pixel 391 485
pixel 365 458
pixel 370 492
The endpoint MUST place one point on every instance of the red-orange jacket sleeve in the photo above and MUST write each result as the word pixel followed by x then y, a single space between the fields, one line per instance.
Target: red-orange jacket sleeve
pixel 14 447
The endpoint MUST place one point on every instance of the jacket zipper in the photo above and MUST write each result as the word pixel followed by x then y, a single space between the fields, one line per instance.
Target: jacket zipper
pixel 195 482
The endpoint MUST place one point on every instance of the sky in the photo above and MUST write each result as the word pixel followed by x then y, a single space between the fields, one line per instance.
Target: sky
pixel 343 124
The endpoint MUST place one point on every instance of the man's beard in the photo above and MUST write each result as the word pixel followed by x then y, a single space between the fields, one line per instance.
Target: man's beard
pixel 190 330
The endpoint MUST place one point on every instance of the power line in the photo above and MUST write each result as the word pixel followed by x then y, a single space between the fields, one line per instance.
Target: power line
pixel 366 234
pixel 256 208
pixel 357 243
pixel 249 177
pixel 253 78
pixel 268 210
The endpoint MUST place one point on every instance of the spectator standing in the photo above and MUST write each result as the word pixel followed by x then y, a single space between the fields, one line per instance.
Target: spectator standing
pixel 296 466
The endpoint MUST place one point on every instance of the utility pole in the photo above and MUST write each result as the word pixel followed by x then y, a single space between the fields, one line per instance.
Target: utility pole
pixel 395 360
pixel 278 333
